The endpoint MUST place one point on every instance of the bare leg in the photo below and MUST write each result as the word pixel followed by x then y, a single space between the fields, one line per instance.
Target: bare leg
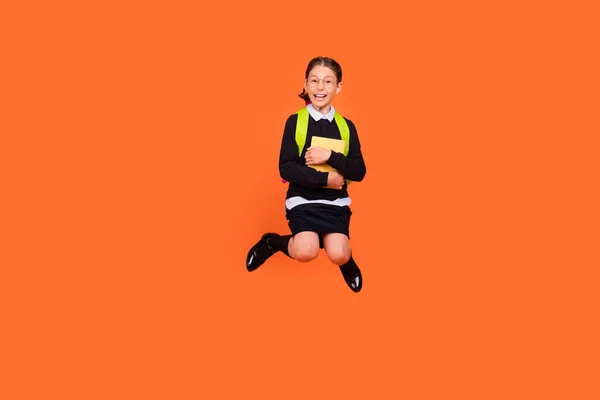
pixel 337 247
pixel 304 247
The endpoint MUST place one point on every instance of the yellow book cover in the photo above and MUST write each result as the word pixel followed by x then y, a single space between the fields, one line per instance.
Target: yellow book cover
pixel 336 145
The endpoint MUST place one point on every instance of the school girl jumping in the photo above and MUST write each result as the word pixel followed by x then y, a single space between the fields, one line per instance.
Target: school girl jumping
pixel 317 203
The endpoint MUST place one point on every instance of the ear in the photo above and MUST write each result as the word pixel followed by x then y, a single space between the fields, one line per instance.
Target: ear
pixel 305 86
pixel 339 88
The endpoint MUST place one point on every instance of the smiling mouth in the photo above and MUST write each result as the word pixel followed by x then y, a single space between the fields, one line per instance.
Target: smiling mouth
pixel 320 96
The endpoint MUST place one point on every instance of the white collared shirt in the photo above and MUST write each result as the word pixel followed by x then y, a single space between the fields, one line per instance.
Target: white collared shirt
pixel 317 115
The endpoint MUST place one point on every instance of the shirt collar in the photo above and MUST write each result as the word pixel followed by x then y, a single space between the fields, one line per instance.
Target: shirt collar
pixel 317 115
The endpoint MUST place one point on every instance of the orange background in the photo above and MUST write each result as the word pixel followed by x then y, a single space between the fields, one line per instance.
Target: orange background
pixel 138 164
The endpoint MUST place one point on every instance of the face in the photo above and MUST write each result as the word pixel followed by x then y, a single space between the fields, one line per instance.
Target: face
pixel 322 86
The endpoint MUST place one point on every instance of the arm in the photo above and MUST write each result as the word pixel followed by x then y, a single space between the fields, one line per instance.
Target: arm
pixel 352 167
pixel 291 166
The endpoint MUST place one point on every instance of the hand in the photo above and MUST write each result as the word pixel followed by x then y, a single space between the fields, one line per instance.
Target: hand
pixel 335 180
pixel 317 155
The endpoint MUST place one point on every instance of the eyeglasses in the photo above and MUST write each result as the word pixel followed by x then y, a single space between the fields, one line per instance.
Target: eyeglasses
pixel 313 82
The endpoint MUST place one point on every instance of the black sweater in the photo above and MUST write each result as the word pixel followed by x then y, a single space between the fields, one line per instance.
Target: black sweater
pixel 307 182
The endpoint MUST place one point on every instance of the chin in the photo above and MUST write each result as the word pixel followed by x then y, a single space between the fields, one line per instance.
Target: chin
pixel 320 103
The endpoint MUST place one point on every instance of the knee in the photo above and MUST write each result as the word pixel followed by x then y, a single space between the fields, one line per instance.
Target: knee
pixel 306 253
pixel 339 255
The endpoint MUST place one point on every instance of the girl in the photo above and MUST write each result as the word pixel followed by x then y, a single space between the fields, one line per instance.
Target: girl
pixel 317 204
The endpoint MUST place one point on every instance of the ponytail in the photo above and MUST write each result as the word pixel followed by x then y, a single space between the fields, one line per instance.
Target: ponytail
pixel 304 96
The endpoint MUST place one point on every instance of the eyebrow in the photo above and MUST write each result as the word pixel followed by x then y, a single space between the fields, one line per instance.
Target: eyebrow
pixel 328 76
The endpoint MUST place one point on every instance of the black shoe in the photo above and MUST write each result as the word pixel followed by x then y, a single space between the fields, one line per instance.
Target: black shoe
pixel 352 276
pixel 260 252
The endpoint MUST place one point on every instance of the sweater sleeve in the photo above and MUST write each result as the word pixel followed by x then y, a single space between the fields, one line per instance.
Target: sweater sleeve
pixel 352 167
pixel 292 167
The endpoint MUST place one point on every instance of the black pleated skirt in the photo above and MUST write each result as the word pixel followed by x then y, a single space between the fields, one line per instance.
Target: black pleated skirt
pixel 319 218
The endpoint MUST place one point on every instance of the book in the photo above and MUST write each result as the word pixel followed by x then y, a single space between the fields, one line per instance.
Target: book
pixel 336 145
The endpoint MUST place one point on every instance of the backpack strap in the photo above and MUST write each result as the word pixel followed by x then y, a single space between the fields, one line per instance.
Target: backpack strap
pixel 345 133
pixel 344 130
pixel 301 129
